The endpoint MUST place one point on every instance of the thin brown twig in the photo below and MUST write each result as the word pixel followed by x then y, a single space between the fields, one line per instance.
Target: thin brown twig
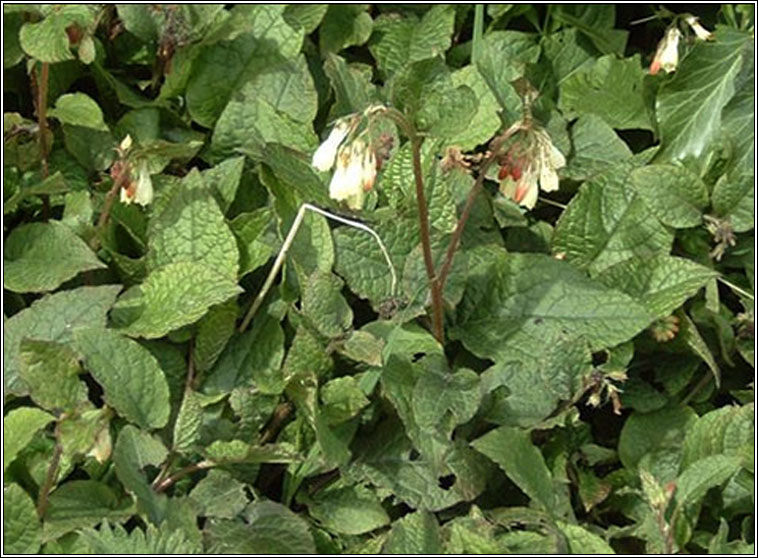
pixel 110 198
pixel 181 473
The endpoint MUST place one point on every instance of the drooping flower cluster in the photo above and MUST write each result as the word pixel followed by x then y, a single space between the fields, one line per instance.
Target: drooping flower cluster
pixel 138 191
pixel 530 165
pixel 356 161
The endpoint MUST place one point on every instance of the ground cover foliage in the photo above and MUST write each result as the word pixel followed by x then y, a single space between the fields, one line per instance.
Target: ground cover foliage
pixel 591 388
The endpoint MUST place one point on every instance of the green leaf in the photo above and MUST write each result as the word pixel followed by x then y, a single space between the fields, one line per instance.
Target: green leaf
pixel 41 256
pixel 255 232
pixel 188 422
pixel 565 52
pixel 307 16
pixel 689 105
pixel 130 376
pixel 278 106
pixel 53 318
pixel 342 399
pixel 271 529
pixel 438 393
pixel 173 296
pixel 237 451
pixel 361 346
pixel 223 180
pixel 734 199
pixel 47 40
pixel 351 510
pixel 19 427
pixel 78 109
pixel 485 122
pixel 352 88
pixel 611 89
pixel 221 69
pixel 116 540
pixel 53 184
pixel 582 541
pixel 51 372
pixel 191 228
pixel 135 450
pixel 325 306
pixel 596 147
pixel 253 358
pixel 738 119
pixel 689 333
pixel 702 475
pixel 295 172
pixel 596 22
pixel 672 193
pixel 141 21
pixel 660 430
pixel 82 503
pixel 219 495
pixel 512 450
pixel 726 430
pixel 343 26
pixel 606 223
pixel 213 333
pixel 661 283
pixel 22 533
pixel 535 295
pixel 415 533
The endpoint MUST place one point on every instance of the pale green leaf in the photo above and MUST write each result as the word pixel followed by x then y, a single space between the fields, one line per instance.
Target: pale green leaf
pixel 351 510
pixel 19 427
pixel 78 109
pixel 433 34
pixel 596 147
pixel 188 422
pixel 661 283
pixel 22 532
pixel 237 451
pixel 438 393
pixel 689 106
pixel 675 195
pixel 47 40
pixel 307 16
pixel 41 256
pixel 689 333
pixel 342 399
pixel 361 346
pixel 53 318
pixel 257 240
pixel 582 541
pixel 135 450
pixel 323 303
pixel 606 222
pixel 213 333
pixel 173 296
pixel 131 378
pixel 253 358
pixel 702 475
pixel 271 529
pixel 734 199
pixel 344 25
pixel 191 228
pixel 535 295
pixel 224 179
pixel 485 122
pixel 726 430
pixel 644 433
pixel 219 495
pixel 512 450
pixel 142 21
pixel 51 372
pixel 415 533
pixel 611 88
pixel 221 69
pixel 352 88
pixel 83 503
pixel 115 540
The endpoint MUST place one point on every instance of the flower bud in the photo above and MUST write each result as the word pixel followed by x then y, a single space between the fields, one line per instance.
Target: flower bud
pixel 701 32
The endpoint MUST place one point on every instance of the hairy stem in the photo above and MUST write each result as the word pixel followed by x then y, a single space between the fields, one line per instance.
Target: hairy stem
pixel 110 198
pixel 181 473
pixel 426 242
pixel 42 116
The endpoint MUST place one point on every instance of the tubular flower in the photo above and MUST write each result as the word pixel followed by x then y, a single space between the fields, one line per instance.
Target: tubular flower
pixel 323 158
pixel 701 32
pixel 667 54
pixel 141 191
pixel 524 174
pixel 354 175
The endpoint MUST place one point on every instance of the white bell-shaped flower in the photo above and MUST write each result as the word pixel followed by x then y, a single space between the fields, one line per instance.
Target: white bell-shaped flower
pixel 667 54
pixel 347 183
pixel 323 158
pixel 701 32
pixel 139 191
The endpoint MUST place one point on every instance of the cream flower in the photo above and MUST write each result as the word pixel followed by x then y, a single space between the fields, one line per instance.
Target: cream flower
pixel 141 191
pixel 323 158
pixel 354 175
pixel 667 54
pixel 701 32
